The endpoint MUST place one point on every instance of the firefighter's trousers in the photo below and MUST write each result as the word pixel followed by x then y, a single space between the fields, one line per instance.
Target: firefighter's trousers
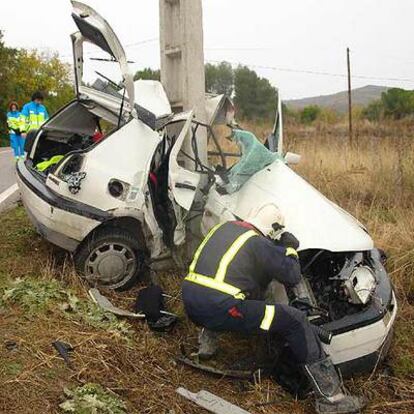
pixel 219 312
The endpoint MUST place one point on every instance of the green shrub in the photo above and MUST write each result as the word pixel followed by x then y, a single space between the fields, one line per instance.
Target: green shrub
pixel 310 114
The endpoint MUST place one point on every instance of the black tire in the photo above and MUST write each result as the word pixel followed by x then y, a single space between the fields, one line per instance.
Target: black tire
pixel 111 258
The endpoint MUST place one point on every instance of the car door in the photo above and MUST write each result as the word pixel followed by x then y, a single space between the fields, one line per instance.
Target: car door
pixel 183 178
pixel 275 140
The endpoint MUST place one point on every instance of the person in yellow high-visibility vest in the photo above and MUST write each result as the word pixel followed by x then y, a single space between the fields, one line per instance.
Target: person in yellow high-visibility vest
pixel 13 123
pixel 237 260
pixel 34 114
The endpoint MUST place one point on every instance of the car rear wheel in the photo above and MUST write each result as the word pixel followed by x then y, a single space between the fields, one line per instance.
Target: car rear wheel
pixel 110 258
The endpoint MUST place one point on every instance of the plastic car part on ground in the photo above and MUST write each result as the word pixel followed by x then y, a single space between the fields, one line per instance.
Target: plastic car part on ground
pixel 211 402
pixel 63 350
pixel 255 157
pixel 107 305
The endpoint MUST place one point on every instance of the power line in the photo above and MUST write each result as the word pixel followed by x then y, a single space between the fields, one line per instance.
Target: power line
pixel 314 72
pixel 142 42
pixel 263 49
pixel 242 49
pixel 275 68
pixel 129 45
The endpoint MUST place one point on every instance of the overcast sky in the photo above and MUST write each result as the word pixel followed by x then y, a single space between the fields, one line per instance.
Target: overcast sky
pixel 293 35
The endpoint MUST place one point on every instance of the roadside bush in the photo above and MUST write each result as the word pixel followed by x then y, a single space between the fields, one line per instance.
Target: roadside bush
pixel 310 114
pixel 374 111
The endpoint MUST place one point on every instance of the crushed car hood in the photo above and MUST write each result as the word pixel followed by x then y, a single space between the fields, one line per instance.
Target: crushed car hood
pixel 316 221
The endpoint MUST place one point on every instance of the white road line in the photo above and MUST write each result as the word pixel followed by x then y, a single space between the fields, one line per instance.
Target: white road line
pixel 8 193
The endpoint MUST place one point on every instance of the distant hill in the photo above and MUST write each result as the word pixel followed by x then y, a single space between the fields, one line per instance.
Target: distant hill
pixel 339 101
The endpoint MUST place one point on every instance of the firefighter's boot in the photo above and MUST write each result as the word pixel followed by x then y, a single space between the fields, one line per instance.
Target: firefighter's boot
pixel 331 397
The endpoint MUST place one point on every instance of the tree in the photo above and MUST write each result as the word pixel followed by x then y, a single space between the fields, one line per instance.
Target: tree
pixel 310 114
pixel 255 97
pixel 374 111
pixel 148 74
pixel 23 72
pixel 220 78
pixel 398 103
pixel 45 73
pixel 7 57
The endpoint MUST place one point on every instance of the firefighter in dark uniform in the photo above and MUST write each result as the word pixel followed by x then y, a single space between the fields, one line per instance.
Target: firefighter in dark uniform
pixel 233 263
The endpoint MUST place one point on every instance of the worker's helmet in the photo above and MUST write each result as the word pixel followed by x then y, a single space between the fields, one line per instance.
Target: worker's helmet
pixel 268 219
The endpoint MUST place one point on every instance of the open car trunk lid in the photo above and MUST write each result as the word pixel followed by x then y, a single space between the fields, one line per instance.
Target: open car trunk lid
pixel 95 29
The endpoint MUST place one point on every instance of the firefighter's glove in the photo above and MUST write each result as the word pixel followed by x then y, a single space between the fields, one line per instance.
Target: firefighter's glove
pixel 289 240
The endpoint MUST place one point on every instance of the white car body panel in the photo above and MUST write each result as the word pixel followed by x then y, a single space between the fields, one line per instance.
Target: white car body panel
pixel 362 341
pixel 109 102
pixel 125 155
pixel 71 225
pixel 152 96
pixel 311 217
pixel 219 110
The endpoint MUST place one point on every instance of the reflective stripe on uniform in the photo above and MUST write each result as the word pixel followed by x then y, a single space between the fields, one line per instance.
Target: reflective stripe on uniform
pixel 231 253
pixel 268 317
pixel 33 121
pixel 290 251
pixel 201 247
pixel 13 123
pixel 216 285
pixel 217 282
pixel 24 123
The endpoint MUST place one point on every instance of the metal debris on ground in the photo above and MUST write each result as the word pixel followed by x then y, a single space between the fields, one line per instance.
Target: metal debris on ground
pixel 211 402
pixel 11 345
pixel 103 302
pixel 229 373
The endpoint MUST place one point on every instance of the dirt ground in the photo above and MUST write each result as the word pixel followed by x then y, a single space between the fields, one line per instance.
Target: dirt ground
pixel 139 365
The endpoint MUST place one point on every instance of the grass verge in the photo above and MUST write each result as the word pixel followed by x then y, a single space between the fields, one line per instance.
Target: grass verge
pixel 44 301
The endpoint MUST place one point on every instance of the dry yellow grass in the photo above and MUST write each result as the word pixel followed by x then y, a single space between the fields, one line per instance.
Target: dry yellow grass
pixel 374 181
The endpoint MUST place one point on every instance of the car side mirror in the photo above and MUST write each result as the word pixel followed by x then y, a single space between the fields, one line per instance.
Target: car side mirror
pixel 292 158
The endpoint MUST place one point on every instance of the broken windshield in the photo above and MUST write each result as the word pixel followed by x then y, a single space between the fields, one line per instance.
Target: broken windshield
pixel 255 157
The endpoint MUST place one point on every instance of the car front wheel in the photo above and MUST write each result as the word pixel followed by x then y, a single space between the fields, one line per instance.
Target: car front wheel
pixel 110 258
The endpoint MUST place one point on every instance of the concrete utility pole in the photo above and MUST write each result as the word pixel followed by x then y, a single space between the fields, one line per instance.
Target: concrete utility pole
pixel 182 54
pixel 348 59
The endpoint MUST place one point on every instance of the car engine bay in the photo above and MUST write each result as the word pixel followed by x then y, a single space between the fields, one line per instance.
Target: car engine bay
pixel 340 284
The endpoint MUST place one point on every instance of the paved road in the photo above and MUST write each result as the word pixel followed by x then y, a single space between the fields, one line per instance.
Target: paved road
pixel 8 188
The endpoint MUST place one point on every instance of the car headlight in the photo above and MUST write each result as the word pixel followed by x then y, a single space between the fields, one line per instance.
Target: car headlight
pixel 360 285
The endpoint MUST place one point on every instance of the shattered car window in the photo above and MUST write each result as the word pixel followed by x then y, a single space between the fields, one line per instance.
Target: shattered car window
pixel 255 157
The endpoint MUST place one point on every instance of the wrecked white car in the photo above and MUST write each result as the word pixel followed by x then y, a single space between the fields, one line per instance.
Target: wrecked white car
pixel 120 181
